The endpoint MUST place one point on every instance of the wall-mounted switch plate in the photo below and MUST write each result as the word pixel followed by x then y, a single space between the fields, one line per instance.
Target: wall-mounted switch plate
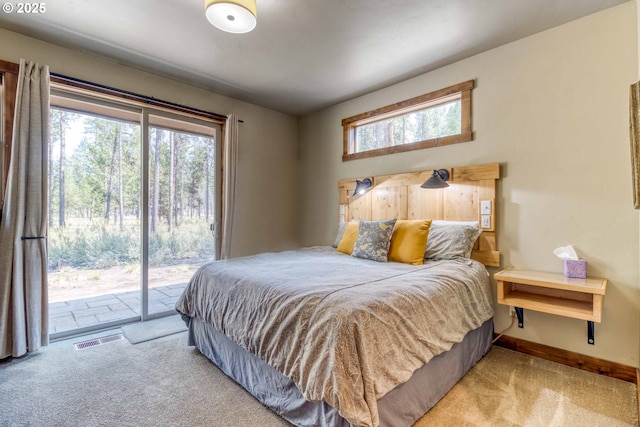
pixel 485 207
pixel 485 221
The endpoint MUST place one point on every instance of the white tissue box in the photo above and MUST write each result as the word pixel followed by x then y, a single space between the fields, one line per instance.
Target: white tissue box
pixel 576 268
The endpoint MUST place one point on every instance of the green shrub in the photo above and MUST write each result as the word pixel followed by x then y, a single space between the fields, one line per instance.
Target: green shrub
pixel 91 245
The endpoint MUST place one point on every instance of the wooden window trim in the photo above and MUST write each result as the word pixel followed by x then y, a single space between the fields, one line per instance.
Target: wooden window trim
pixel 349 124
pixel 9 76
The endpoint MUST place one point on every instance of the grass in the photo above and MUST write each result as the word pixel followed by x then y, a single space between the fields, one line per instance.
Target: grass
pixel 93 244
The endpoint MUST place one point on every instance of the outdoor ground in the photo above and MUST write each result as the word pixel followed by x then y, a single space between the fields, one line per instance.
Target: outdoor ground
pixel 68 283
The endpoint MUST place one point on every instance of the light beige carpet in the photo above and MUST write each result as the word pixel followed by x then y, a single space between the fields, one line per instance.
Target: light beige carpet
pixel 156 383
pixel 163 382
pixel 507 388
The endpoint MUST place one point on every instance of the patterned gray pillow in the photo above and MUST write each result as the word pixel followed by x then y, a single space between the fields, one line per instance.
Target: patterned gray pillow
pixel 450 240
pixel 373 240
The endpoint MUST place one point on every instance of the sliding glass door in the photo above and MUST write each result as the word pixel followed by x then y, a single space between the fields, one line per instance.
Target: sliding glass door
pixel 183 202
pixel 132 196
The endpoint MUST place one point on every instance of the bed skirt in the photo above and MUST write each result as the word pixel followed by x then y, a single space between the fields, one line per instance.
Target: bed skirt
pixel 402 406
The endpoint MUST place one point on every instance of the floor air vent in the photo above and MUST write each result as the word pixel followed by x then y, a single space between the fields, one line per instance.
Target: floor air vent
pixel 97 341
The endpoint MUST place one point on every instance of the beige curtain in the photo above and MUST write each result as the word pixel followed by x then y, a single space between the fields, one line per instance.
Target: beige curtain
pixel 229 192
pixel 23 250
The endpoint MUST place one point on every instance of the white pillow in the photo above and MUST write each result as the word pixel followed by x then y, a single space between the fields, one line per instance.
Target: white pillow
pixel 451 239
pixel 445 222
pixel 341 228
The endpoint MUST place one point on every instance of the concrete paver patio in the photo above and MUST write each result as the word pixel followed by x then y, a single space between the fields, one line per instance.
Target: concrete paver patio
pixel 79 313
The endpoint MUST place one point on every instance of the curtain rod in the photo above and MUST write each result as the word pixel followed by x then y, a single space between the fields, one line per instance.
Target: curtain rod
pixel 135 96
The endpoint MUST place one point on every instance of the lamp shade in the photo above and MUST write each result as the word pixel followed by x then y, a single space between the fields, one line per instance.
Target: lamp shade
pixel 232 16
pixel 437 180
pixel 362 186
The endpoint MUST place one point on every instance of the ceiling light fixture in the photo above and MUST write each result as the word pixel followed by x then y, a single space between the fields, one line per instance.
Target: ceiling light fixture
pixel 232 16
pixel 437 180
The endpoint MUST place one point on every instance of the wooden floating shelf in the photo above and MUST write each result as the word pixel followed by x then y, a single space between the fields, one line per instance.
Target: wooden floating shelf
pixel 582 310
pixel 554 280
pixel 552 293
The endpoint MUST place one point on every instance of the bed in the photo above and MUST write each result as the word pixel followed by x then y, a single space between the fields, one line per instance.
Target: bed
pixel 328 339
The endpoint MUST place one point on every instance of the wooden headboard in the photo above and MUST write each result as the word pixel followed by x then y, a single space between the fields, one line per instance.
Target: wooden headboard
pixel 400 196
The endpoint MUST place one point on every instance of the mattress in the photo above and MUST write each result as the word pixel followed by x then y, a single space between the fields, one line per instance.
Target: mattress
pixel 345 331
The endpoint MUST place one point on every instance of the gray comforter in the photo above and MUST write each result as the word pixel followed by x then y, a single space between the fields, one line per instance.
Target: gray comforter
pixel 345 330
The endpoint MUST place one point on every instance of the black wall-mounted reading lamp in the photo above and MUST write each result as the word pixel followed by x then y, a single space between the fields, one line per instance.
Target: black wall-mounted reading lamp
pixel 362 186
pixel 437 180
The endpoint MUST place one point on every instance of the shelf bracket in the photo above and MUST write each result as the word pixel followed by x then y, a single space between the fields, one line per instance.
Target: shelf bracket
pixel 520 314
pixel 590 325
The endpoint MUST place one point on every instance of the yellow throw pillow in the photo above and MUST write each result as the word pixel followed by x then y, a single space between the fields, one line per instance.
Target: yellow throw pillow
pixel 409 241
pixel 348 238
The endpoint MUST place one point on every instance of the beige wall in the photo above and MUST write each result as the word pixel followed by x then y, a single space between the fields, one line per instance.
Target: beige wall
pixel 266 185
pixel 553 110
pixel 637 5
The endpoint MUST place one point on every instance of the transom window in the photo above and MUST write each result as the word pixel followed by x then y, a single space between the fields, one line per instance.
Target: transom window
pixel 438 118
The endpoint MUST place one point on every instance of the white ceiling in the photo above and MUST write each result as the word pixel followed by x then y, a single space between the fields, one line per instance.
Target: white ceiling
pixel 303 54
